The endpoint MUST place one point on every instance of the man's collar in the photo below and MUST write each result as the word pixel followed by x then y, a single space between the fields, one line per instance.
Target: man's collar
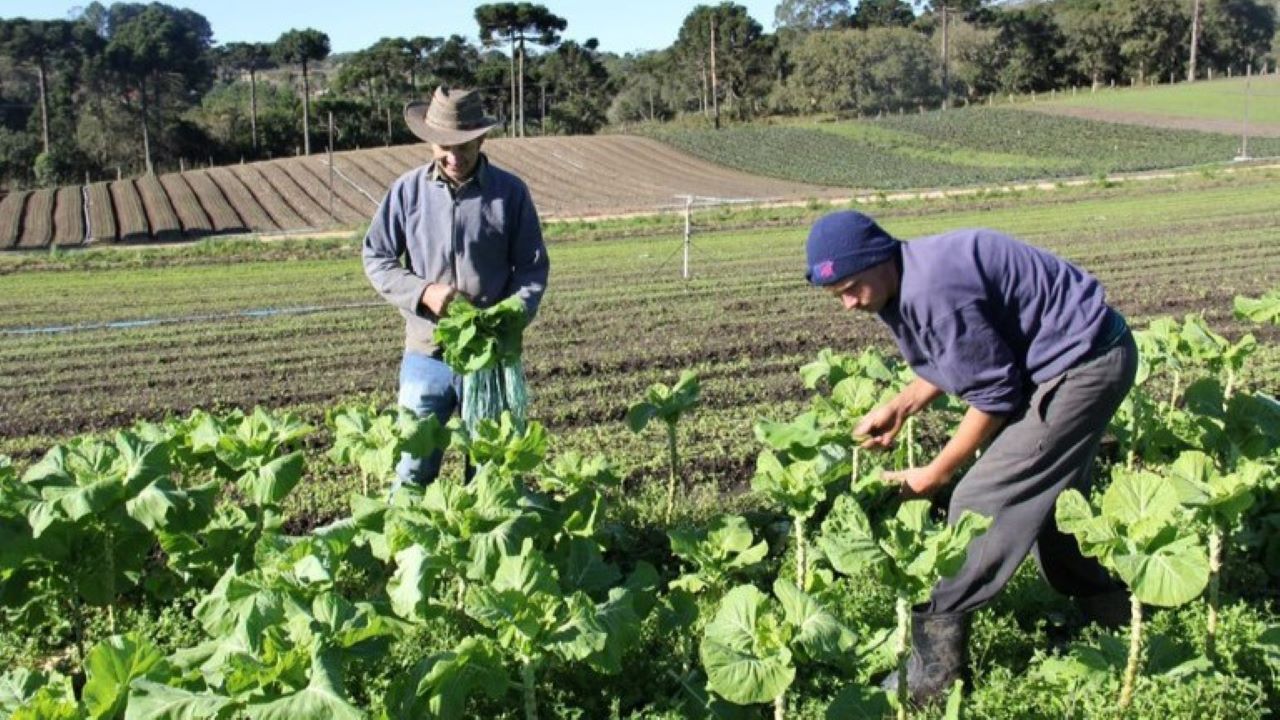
pixel 478 176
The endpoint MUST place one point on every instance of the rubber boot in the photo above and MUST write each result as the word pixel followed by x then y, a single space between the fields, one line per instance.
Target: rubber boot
pixel 939 656
pixel 1110 609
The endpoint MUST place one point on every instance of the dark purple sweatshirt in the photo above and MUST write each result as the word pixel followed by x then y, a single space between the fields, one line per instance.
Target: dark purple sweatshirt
pixel 984 316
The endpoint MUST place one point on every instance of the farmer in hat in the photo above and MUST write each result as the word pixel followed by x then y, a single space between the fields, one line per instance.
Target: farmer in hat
pixel 463 227
pixel 1028 341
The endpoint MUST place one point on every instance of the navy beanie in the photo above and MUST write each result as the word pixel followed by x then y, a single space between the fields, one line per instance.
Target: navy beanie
pixel 843 243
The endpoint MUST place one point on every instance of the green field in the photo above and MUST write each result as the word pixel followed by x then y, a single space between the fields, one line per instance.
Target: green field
pixel 958 147
pixel 617 317
pixel 1221 99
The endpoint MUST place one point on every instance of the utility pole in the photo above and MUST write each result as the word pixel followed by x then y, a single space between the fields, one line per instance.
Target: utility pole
pixel 331 165
pixel 542 119
pixel 1195 40
pixel 715 99
pixel 946 91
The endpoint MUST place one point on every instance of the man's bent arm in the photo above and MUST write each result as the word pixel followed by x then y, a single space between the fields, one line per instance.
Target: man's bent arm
pixel 384 243
pixel 975 428
pixel 529 261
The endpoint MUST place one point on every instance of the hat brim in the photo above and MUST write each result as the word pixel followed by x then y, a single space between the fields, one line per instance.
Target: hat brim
pixel 415 116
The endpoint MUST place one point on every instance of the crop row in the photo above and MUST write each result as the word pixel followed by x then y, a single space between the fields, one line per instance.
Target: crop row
pixel 963 146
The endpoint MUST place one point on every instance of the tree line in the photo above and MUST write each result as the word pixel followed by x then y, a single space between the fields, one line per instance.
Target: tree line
pixel 139 87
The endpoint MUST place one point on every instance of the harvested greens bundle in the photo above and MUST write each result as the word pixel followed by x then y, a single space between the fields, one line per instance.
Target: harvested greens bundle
pixel 484 346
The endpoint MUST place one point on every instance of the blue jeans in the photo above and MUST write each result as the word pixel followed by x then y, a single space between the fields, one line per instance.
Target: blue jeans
pixel 427 385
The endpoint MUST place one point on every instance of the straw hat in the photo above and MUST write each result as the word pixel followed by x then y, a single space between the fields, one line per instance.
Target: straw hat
pixel 453 117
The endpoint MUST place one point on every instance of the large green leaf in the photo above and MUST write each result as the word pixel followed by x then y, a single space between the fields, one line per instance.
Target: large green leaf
pixel 818 633
pixel 17 686
pixel 270 483
pixel 583 567
pixel 322 699
pixel 413 585
pixel 440 686
pixel 150 700
pixel 621 624
pixel 49 704
pixel 859 702
pixel 1170 575
pixel 639 415
pixel 1143 502
pixel 847 540
pixel 1265 309
pixel 109 668
pixel 1074 515
pixel 744 649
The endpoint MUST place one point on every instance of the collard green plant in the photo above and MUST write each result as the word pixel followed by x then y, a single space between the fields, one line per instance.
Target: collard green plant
pixel 92 511
pixel 909 553
pixel 1218 501
pixel 535 620
pixel 717 552
pixel 1204 409
pixel 1265 309
pixel 258 455
pixel 576 486
pixel 439 686
pixel 798 487
pixel 373 440
pixel 1139 533
pixel 667 404
pixel 505 443
pixel 484 346
pixel 750 648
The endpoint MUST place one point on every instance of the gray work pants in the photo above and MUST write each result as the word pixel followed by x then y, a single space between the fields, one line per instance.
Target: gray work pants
pixel 1044 449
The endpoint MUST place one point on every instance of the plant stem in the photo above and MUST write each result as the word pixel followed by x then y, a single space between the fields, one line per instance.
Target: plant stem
pixel 364 483
pixel 911 442
pixel 1134 429
pixel 780 706
pixel 530 696
pixel 1230 389
pixel 1215 577
pixel 903 650
pixel 77 626
pixel 675 463
pixel 802 564
pixel 1174 393
pixel 1135 652
pixel 857 457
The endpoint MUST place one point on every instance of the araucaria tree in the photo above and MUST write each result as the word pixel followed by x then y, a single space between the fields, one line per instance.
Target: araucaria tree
pixel 303 47
pixel 250 58
pixel 149 44
pixel 518 23
pixel 38 43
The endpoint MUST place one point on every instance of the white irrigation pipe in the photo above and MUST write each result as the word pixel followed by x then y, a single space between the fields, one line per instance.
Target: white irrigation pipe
pixel 188 319
pixel 333 167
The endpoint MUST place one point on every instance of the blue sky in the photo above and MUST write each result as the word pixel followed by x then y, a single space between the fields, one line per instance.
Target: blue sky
pixel 620 25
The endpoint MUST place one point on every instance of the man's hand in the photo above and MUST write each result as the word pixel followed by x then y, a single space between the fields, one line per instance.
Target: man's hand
pixel 919 482
pixel 437 296
pixel 878 428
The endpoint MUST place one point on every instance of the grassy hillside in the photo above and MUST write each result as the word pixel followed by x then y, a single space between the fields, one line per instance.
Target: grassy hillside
pixel 957 147
pixel 1211 100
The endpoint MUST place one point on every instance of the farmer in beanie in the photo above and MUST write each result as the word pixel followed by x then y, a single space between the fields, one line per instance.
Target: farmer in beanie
pixel 463 227
pixel 1028 341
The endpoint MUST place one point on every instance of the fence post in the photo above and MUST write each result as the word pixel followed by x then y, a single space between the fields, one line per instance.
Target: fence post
pixel 688 231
